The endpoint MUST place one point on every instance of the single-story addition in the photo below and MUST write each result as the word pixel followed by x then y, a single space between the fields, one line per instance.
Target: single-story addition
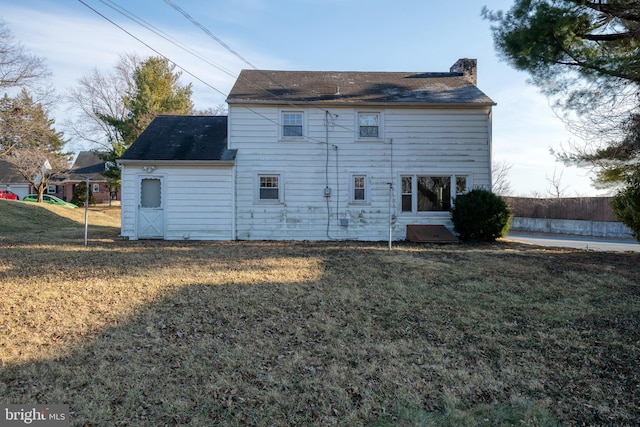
pixel 315 155
pixel 178 181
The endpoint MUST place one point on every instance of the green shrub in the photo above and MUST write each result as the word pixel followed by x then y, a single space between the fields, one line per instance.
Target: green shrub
pixel 626 207
pixel 480 216
pixel 80 195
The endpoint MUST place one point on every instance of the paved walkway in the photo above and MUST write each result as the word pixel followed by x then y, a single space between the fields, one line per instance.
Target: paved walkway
pixel 578 242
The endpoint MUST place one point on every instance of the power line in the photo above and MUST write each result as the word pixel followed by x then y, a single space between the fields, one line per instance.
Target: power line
pixel 158 32
pixel 154 50
pixel 226 46
pixel 209 33
pixel 163 35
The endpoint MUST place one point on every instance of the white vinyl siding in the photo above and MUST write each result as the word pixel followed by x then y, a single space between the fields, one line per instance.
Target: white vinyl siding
pixel 417 141
pixel 199 201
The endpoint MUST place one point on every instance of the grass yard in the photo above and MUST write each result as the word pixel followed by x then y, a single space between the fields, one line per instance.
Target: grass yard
pixel 153 333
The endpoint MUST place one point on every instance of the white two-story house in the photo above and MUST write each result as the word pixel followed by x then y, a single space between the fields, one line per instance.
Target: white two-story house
pixel 326 155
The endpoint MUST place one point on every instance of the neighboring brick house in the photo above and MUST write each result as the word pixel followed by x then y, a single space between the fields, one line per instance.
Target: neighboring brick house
pixel 87 164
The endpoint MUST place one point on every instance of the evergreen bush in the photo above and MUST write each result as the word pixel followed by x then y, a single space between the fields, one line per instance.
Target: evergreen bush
pixel 626 207
pixel 480 216
pixel 80 195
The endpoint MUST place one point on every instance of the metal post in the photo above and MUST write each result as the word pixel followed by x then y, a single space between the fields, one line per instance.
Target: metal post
pixel 390 217
pixel 86 213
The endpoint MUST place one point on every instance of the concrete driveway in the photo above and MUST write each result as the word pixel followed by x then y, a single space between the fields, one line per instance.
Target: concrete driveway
pixel 578 242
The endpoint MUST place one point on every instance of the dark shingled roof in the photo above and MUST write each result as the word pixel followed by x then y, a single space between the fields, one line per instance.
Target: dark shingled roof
pixel 337 87
pixel 9 173
pixel 191 138
pixel 88 164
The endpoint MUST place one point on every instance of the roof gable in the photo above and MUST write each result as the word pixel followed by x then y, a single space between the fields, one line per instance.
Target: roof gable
pixel 88 163
pixel 9 173
pixel 336 87
pixel 188 138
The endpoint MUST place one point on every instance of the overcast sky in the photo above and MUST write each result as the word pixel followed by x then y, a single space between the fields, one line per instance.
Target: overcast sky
pixel 338 35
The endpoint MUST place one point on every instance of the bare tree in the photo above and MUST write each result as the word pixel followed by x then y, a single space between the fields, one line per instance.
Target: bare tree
pixel 556 189
pixel 100 95
pixel 19 69
pixel 217 110
pixel 500 177
pixel 38 167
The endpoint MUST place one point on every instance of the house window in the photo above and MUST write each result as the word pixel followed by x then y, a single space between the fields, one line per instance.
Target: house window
pixel 428 193
pixel 369 125
pixel 292 125
pixel 407 193
pixel 434 193
pixel 461 185
pixel 52 189
pixel 96 188
pixel 269 188
pixel 359 189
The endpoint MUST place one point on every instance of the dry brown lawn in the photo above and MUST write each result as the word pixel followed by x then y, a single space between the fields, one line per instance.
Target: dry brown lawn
pixel 154 333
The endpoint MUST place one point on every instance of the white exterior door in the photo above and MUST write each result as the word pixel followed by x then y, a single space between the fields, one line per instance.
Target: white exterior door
pixel 150 208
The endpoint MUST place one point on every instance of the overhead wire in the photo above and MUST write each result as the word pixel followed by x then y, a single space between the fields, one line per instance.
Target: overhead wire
pixel 124 12
pixel 152 49
pixel 121 10
pixel 232 51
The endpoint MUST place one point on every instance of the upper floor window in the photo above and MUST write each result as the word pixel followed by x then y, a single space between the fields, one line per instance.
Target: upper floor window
pixel 292 124
pixel 369 125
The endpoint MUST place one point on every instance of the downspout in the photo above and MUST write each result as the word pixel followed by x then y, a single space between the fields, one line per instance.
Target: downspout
pixel 490 143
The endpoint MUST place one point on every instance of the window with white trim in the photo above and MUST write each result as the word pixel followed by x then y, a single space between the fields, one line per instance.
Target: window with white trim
pixel 95 188
pixel 269 188
pixel 461 185
pixel 369 125
pixel 431 193
pixel 52 189
pixel 292 124
pixel 359 189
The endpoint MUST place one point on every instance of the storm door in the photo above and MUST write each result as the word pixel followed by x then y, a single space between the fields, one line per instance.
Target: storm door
pixel 150 208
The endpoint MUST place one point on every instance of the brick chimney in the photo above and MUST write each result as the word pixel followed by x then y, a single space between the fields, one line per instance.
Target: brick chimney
pixel 468 68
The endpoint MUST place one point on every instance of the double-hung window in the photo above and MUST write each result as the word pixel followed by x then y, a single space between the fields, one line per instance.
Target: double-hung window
pixel 359 189
pixel 292 124
pixel 269 188
pixel 369 125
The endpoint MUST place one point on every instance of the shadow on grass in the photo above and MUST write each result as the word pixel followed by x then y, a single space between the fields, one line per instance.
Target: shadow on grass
pixel 388 344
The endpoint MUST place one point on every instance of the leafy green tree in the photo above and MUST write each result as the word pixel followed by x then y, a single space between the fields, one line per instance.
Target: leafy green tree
pixel 30 141
pixel 585 55
pixel 154 89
